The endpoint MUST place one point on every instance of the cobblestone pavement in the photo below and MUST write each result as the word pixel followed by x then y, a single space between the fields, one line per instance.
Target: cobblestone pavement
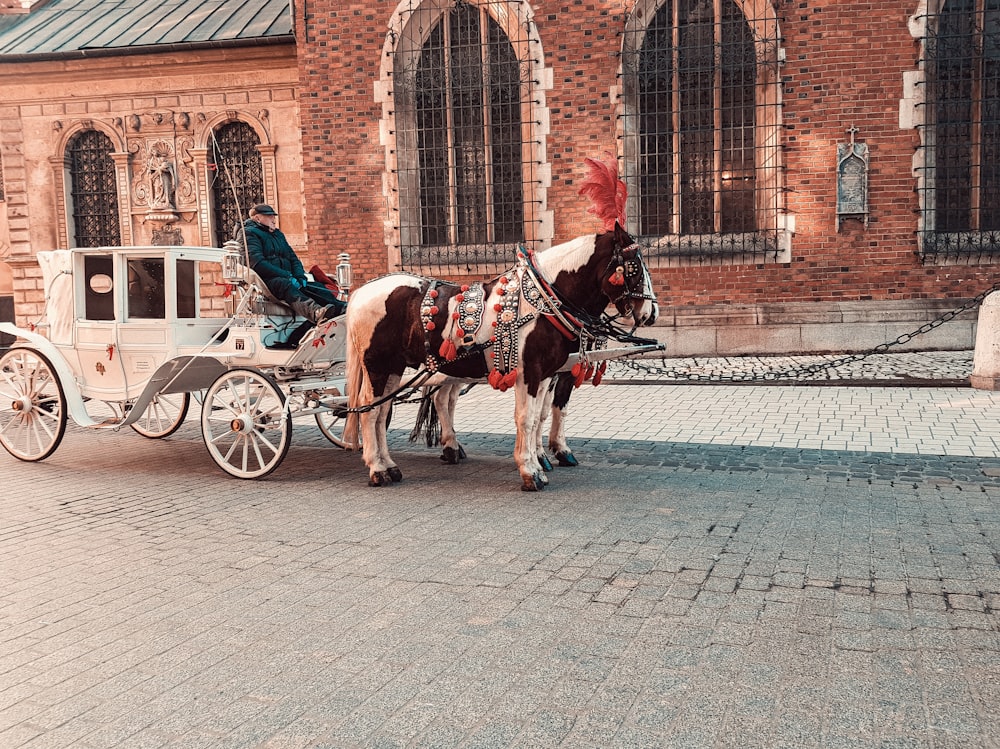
pixel 718 572
pixel 906 368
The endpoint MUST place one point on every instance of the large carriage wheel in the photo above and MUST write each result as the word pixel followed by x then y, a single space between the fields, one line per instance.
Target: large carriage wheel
pixel 164 415
pixel 243 420
pixel 32 405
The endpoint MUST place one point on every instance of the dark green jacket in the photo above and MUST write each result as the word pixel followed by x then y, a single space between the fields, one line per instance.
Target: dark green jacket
pixel 274 260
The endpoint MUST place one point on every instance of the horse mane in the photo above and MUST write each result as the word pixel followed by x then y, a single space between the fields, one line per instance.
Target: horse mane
pixel 606 191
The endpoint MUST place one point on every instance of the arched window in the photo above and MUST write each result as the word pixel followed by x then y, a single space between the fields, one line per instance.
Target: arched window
pixel 463 156
pixel 93 190
pixel 961 174
pixel 238 177
pixel 701 98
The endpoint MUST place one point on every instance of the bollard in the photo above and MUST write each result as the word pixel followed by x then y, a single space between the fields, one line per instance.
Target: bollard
pixel 986 357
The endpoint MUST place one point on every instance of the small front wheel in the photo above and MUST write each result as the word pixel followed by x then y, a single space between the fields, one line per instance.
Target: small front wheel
pixel 331 423
pixel 246 427
pixel 32 405
pixel 164 415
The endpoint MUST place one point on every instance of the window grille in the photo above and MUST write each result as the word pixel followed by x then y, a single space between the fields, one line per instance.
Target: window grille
pixel 960 180
pixel 461 91
pixel 238 179
pixel 94 192
pixel 701 127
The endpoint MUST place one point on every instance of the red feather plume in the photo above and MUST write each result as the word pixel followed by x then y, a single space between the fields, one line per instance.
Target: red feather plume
pixel 605 190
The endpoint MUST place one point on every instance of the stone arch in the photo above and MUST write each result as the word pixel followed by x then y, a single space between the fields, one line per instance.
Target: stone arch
pixel 409 27
pixel 202 153
pixel 60 173
pixel 763 22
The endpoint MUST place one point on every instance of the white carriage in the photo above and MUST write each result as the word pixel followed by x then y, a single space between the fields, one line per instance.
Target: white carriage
pixel 131 335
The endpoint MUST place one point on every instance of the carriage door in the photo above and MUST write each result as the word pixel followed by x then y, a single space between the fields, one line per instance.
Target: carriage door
pixel 96 328
pixel 144 335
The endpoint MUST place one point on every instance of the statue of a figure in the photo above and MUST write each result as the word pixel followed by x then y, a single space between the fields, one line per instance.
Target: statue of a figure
pixel 161 178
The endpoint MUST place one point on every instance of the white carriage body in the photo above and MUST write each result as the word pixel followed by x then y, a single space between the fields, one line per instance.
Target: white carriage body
pixel 126 326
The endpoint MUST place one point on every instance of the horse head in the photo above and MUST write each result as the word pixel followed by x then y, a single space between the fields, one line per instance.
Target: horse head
pixel 625 280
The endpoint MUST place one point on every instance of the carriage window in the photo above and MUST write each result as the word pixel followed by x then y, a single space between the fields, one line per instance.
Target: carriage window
pixel 187 289
pixel 146 293
pixel 701 93
pixel 99 301
pixel 214 296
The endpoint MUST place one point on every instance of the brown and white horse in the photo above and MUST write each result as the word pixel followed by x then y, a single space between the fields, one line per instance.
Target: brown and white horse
pixel 393 324
pixel 516 330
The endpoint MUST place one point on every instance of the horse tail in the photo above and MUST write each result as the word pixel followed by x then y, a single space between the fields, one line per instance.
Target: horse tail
pixel 355 380
pixel 428 426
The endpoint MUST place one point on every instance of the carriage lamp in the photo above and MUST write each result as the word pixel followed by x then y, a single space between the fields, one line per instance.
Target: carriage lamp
pixel 344 274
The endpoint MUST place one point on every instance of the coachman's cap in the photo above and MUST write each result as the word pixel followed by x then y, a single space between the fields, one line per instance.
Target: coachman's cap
pixel 264 210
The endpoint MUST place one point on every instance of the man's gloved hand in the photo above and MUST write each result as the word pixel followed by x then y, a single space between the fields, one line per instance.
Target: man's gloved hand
pixel 298 283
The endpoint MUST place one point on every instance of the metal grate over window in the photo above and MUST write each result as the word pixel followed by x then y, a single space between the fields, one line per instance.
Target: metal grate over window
pixel 93 192
pixel 462 91
pixel 238 178
pixel 700 130
pixel 960 180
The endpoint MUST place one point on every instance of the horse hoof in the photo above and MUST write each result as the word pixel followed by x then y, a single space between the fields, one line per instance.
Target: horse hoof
pixel 377 479
pixel 450 456
pixel 532 484
pixel 461 453
pixel 395 474
pixel 544 461
pixel 566 459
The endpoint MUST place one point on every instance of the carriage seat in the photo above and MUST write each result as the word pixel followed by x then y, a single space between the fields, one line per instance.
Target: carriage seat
pixel 244 275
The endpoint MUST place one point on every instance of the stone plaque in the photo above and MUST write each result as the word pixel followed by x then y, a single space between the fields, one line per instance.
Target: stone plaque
pixel 852 179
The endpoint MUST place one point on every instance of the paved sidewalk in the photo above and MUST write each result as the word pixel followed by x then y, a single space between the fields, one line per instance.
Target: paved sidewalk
pixel 730 566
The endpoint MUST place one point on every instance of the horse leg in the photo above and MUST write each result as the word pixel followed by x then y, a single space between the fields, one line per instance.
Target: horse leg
pixel 445 400
pixel 543 459
pixel 375 446
pixel 561 391
pixel 527 419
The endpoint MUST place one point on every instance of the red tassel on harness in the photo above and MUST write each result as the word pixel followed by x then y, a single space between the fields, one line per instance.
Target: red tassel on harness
pixel 579 371
pixel 448 350
pixel 494 379
pixel 618 277
pixel 509 380
pixel 600 373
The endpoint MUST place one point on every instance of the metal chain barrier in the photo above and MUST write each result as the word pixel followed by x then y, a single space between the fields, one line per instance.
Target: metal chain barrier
pixel 670 373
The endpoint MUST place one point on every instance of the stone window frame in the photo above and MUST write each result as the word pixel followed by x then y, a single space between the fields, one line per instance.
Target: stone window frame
pixel 772 242
pixel 266 151
pixel 509 15
pixel 199 133
pixel 973 247
pixel 61 170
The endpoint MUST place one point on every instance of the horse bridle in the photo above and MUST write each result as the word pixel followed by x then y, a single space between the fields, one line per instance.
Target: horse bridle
pixel 627 262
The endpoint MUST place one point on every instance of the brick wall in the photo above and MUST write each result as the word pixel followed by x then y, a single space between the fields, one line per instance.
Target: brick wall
pixel 844 66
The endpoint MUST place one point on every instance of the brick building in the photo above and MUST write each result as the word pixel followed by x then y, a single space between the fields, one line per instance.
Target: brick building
pixel 804 176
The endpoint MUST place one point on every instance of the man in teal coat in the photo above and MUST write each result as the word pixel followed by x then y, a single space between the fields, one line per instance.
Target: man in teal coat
pixel 274 260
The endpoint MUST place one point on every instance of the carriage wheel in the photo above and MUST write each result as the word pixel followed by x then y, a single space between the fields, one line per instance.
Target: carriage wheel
pixel 32 405
pixel 164 415
pixel 243 420
pixel 331 424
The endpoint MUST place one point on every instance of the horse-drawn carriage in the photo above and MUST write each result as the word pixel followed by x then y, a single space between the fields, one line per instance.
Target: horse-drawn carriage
pixel 132 334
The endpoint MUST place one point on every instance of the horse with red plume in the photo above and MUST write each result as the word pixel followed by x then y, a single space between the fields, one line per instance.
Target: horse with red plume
pixel 515 331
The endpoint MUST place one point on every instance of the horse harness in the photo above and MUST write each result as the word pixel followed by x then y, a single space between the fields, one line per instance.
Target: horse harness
pixel 524 294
